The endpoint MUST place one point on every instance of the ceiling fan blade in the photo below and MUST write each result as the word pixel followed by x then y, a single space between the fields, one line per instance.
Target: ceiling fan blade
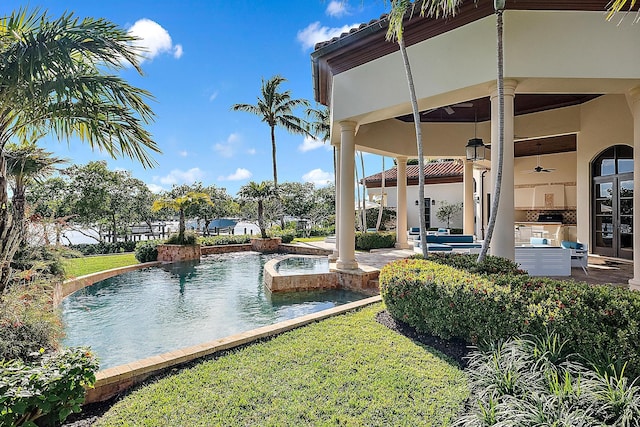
pixel 463 105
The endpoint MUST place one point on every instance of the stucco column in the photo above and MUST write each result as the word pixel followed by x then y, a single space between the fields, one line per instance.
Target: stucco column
pixel 334 256
pixel 347 219
pixel 468 207
pixel 633 97
pixel 503 239
pixel 401 205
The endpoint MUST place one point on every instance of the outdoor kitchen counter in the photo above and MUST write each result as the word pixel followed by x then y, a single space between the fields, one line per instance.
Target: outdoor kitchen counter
pixel 524 231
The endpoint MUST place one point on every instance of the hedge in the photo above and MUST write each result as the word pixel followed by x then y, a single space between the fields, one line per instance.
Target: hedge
pixel 103 248
pixel 602 322
pixel 368 241
pixel 225 239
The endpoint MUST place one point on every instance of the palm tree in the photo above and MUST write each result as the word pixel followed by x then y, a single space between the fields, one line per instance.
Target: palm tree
pixel 54 77
pixel 445 8
pixel 276 109
pixel 180 204
pixel 615 6
pixel 399 9
pixel 26 163
pixel 259 193
pixel 499 9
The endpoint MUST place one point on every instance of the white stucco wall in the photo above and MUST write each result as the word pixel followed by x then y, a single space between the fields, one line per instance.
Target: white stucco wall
pixel 451 193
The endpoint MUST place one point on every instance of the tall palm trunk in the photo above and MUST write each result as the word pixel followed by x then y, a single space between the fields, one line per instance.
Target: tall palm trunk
pixel 364 196
pixel 19 209
pixel 182 227
pixel 9 236
pixel 263 231
pixel 379 221
pixel 273 155
pixel 416 121
pixel 498 181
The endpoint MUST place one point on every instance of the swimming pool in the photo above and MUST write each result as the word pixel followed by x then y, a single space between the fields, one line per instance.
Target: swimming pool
pixel 156 310
pixel 295 265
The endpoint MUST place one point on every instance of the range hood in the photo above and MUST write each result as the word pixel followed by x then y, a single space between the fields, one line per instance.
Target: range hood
pixel 549 196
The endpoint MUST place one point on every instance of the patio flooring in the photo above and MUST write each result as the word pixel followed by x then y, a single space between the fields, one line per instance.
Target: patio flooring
pixel 601 270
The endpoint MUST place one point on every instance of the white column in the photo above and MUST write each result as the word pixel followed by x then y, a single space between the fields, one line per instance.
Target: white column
pixel 347 219
pixel 633 97
pixel 468 207
pixel 401 209
pixel 503 239
pixel 335 255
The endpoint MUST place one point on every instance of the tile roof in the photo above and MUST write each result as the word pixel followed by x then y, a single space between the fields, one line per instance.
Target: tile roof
pixel 432 171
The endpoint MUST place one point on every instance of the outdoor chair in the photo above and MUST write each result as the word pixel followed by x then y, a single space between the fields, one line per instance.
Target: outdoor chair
pixel 579 254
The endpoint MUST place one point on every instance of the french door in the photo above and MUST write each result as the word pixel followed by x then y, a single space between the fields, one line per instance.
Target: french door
pixel 613 203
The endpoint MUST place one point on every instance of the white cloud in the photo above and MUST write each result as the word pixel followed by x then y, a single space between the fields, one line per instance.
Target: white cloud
pixel 251 151
pixel 178 176
pixel 239 175
pixel 227 148
pixel 315 33
pixel 154 39
pixel 311 143
pixel 155 188
pixel 336 9
pixel 183 153
pixel 213 96
pixel 318 177
pixel 177 51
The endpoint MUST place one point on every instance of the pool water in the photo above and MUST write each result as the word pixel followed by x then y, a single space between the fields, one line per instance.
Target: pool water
pixel 303 265
pixel 155 310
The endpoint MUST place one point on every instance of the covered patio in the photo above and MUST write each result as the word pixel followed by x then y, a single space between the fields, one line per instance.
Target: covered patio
pixel 572 118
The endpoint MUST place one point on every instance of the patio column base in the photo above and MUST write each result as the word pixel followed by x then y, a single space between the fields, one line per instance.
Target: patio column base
pixel 634 284
pixel 346 265
pixel 333 257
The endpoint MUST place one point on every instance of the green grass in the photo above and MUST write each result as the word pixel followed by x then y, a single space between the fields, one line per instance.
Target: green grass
pixel 309 239
pixel 348 370
pixel 75 267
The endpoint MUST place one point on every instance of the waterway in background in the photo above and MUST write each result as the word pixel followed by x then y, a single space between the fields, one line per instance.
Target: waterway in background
pixel 156 310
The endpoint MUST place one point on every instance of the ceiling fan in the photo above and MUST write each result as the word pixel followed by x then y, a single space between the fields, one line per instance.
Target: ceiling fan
pixel 538 168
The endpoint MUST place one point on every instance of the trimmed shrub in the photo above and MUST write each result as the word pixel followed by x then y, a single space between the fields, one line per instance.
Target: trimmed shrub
pixel 468 262
pixel 47 390
pixel 287 235
pixel 322 231
pixel 189 238
pixel 103 248
pixel 27 322
pixel 368 241
pixel 147 250
pixel 602 321
pixel 229 239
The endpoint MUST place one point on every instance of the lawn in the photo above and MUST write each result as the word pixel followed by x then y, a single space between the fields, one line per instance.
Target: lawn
pixel 75 267
pixel 347 370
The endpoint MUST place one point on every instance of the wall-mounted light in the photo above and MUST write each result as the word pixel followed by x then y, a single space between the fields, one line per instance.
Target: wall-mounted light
pixel 417 202
pixel 433 202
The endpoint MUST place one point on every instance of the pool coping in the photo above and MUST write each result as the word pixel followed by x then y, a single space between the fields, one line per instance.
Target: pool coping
pixel 113 381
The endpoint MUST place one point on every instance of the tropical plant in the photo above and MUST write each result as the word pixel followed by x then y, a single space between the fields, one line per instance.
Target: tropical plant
pixel 447 210
pixel 615 6
pixel 26 163
pixel 54 78
pixel 275 108
pixel 259 193
pixel 180 204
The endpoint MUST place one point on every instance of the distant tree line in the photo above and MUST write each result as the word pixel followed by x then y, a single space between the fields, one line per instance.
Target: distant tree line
pixel 91 196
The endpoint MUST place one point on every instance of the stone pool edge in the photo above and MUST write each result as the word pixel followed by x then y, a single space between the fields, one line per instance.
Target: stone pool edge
pixel 112 381
pixel 69 286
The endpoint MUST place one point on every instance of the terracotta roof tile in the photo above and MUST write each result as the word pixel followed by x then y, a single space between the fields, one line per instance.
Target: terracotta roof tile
pixel 432 170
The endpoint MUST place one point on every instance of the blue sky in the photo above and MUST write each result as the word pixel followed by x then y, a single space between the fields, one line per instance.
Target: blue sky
pixel 205 56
